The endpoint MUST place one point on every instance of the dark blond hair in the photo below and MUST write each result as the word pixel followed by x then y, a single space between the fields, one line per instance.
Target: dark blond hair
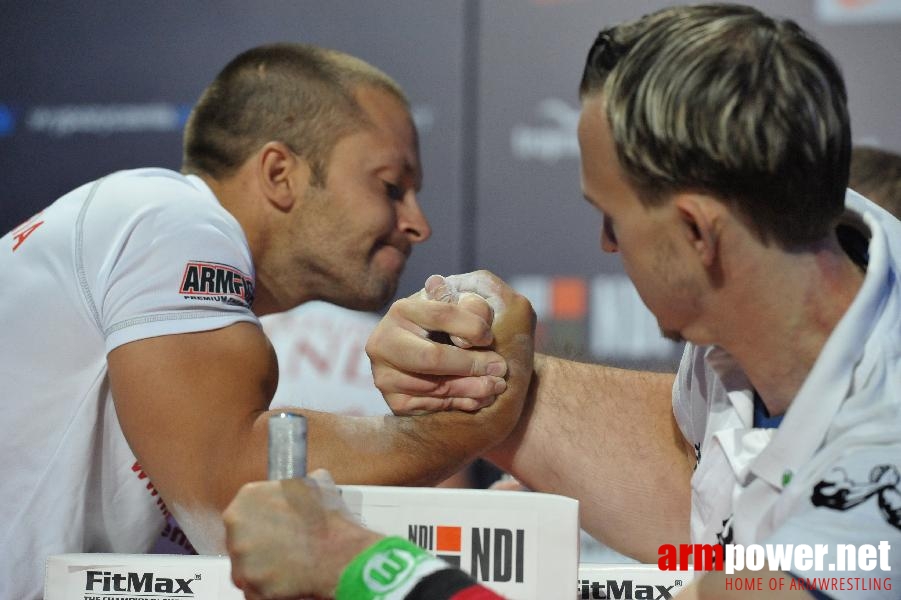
pixel 724 100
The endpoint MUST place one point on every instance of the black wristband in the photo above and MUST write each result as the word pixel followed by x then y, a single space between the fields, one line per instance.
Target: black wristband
pixel 441 585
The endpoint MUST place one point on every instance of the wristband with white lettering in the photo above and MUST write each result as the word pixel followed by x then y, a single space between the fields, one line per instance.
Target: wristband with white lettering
pixel 387 570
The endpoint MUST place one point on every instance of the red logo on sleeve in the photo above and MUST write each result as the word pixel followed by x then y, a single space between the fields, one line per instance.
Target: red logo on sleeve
pixel 21 233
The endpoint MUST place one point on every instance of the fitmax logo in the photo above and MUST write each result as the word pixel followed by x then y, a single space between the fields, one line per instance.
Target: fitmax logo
pixel 136 582
pixel 496 554
pixel 626 589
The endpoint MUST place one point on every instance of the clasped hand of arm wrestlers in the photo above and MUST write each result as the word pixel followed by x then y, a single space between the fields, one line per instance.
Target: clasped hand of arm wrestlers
pixel 488 351
pixel 462 344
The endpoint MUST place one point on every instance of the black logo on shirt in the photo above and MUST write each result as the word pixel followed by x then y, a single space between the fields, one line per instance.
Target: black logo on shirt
pixel 217 283
pixel 839 492
pixel 725 537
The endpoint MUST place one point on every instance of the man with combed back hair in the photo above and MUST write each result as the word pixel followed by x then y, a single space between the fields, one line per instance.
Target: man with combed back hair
pixel 137 377
pixel 715 143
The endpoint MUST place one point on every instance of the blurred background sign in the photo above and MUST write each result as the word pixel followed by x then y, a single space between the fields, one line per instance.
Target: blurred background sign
pixel 91 87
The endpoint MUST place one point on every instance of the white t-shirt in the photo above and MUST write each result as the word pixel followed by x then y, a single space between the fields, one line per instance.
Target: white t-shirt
pixel 134 255
pixel 831 472
pixel 322 365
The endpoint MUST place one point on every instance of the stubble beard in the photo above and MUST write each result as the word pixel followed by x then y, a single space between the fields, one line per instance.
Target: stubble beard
pixel 371 292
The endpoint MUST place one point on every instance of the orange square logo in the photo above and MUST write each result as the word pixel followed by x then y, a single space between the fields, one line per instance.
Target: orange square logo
pixel 447 539
pixel 569 298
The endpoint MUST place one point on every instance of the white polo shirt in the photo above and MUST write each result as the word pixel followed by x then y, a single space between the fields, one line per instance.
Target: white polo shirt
pixel 138 254
pixel 831 472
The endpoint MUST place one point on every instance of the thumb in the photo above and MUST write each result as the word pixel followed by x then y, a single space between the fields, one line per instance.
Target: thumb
pixel 329 493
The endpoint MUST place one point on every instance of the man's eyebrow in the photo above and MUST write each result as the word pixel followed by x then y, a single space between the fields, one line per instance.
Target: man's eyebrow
pixel 414 173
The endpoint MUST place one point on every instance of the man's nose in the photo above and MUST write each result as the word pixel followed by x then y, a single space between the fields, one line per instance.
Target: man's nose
pixel 412 221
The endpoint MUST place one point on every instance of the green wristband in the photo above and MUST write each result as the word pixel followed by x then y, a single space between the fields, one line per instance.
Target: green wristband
pixel 387 570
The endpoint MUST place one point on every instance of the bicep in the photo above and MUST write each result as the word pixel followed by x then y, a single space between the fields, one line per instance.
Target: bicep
pixel 189 404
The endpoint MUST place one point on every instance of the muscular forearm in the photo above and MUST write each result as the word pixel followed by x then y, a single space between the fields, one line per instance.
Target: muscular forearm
pixel 607 437
pixel 410 450
pixel 357 450
pixel 384 450
pixel 193 408
pixel 425 449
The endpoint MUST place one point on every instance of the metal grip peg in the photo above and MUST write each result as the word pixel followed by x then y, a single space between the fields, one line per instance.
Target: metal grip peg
pixel 287 446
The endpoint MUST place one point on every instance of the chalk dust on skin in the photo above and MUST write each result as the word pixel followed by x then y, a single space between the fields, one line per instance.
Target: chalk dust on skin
pixel 454 288
pixel 203 527
pixel 450 288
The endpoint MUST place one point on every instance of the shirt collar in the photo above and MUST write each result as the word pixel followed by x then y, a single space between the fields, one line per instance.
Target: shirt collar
pixel 810 414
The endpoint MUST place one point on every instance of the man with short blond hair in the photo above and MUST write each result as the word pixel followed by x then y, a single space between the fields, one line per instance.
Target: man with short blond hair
pixel 137 378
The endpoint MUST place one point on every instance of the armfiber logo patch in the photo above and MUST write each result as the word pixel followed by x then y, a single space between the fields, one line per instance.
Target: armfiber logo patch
pixel 214 282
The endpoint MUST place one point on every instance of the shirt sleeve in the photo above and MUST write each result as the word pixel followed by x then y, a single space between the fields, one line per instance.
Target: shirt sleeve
pixel 161 257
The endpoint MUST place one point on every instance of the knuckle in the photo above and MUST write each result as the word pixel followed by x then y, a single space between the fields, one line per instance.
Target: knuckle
pixel 380 377
pixel 402 405
pixel 467 404
pixel 441 388
pixel 400 305
pixel 442 313
pixel 432 356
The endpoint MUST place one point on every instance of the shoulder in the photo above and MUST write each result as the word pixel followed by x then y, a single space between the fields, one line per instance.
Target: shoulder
pixel 156 209
pixel 155 191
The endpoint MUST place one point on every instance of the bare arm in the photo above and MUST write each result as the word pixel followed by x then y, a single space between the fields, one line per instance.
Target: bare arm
pixel 607 437
pixel 193 409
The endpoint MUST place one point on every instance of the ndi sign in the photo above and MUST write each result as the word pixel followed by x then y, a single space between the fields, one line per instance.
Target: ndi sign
pixel 614 319
pixel 620 325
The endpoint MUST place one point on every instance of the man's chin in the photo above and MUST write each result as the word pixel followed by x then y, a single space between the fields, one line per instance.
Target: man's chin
pixel 672 335
pixel 375 296
pixel 389 260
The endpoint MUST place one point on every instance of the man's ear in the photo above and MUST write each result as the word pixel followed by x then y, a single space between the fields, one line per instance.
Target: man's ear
pixel 283 174
pixel 701 220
